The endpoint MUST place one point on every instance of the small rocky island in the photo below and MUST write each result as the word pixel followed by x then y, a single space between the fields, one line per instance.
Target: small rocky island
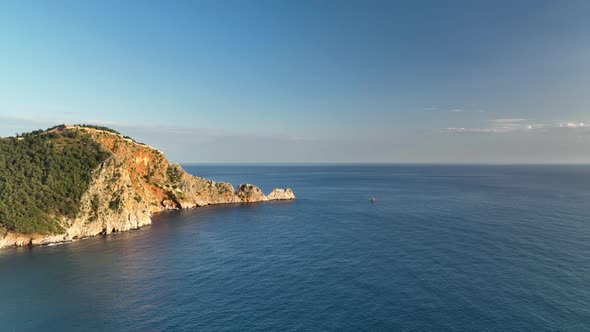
pixel 70 182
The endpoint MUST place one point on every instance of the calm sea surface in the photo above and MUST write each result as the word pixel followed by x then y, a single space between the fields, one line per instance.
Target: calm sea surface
pixel 444 248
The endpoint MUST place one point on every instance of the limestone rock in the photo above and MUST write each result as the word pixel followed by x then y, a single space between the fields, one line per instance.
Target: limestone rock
pixel 281 194
pixel 250 193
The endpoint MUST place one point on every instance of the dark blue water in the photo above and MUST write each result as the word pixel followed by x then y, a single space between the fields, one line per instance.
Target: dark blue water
pixel 445 248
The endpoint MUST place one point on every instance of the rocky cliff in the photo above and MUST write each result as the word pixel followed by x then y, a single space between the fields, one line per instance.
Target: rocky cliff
pixel 131 184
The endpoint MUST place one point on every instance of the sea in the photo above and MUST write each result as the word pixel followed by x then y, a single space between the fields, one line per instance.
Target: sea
pixel 443 248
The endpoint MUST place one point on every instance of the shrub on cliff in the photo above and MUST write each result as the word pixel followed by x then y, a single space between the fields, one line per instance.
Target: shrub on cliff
pixel 43 177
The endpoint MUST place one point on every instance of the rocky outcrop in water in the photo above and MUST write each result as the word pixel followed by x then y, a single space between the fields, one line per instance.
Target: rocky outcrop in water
pixel 281 194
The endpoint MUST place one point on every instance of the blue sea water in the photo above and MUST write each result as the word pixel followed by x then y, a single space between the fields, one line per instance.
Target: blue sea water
pixel 444 248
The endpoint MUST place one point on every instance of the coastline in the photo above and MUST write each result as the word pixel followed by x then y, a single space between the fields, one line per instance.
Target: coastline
pixel 15 240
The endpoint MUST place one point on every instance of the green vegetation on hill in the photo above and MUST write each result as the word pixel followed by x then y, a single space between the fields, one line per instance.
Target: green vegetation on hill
pixel 99 128
pixel 43 176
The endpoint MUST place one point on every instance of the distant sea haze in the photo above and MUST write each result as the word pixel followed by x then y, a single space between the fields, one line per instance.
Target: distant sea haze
pixel 443 248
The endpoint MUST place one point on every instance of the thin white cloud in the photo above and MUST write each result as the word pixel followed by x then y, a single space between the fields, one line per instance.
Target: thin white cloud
pixel 508 120
pixel 461 130
pixel 26 119
pixel 574 125
pixel 519 125
pixel 213 133
pixel 148 130
pixel 491 130
pixel 460 110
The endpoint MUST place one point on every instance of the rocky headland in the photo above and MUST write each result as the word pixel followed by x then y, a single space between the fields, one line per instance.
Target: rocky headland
pixel 132 182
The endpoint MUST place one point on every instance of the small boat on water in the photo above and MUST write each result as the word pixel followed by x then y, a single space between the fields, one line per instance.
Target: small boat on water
pixel 372 199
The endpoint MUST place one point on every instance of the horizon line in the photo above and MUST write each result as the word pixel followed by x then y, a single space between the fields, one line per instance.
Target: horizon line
pixel 385 163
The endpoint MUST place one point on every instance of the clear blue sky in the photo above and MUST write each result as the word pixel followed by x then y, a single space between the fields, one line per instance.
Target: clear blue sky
pixel 307 81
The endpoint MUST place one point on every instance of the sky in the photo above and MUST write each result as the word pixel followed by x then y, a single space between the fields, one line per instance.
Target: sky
pixel 475 81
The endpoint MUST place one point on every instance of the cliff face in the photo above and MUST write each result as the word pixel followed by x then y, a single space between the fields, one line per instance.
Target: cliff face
pixel 134 182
